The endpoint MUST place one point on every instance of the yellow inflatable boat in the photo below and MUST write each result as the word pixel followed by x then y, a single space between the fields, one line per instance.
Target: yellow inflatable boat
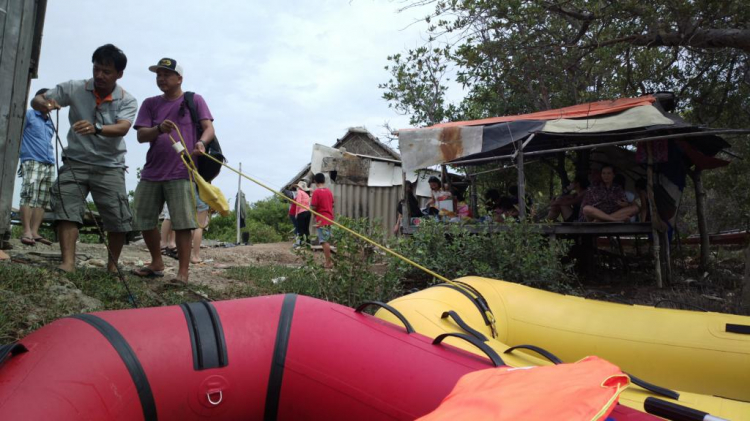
pixel 695 359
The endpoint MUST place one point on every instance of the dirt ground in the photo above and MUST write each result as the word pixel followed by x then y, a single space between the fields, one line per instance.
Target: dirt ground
pixel 216 258
pixel 690 289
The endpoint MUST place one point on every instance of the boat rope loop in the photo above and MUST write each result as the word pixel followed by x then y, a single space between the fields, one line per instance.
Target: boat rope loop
pixel 405 259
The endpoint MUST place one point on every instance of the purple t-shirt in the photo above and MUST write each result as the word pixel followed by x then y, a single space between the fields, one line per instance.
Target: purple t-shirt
pixel 162 162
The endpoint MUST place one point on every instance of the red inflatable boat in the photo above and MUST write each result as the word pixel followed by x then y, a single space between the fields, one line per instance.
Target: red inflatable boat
pixel 277 357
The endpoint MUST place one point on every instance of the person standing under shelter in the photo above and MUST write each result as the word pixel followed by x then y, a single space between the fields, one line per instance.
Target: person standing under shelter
pixel 165 177
pixel 101 113
pixel 37 170
pixel 322 203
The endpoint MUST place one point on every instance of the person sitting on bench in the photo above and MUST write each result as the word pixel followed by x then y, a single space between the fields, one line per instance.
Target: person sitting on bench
pixel 606 202
pixel 569 205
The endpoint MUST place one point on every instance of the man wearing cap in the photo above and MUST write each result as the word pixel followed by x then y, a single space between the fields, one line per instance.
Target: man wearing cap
pixel 101 113
pixel 165 178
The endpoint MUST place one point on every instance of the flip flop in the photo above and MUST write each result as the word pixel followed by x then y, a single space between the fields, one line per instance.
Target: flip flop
pixel 175 282
pixel 147 272
pixel 43 240
pixel 28 241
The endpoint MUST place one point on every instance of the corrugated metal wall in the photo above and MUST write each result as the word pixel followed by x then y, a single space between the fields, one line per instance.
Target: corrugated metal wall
pixel 368 202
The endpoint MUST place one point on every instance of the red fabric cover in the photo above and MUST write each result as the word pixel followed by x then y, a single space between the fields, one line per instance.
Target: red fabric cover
pixel 701 161
pixel 575 111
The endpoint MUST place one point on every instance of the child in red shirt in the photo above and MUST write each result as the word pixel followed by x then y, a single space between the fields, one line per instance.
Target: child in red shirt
pixel 322 203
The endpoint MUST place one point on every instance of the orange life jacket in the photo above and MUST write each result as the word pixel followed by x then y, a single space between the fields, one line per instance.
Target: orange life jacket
pixel 587 390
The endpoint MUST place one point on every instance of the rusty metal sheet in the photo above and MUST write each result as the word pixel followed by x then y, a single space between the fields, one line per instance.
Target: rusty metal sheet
pixel 427 147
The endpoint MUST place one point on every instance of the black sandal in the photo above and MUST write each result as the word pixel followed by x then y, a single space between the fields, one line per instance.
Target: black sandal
pixel 170 252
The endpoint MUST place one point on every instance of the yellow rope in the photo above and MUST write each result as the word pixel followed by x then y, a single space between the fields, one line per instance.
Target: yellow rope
pixel 192 166
pixel 489 314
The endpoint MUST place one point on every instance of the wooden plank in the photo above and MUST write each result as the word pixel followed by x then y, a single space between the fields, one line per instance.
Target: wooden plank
pixel 3 19
pixel 654 214
pixel 521 183
pixel 18 36
pixel 8 55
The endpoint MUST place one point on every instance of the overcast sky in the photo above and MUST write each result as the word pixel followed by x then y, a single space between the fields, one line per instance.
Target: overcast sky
pixel 277 76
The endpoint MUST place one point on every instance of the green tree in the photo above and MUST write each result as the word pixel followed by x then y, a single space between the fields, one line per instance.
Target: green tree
pixel 517 56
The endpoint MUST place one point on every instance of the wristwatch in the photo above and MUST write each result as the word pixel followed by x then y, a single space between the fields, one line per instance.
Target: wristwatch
pixel 98 128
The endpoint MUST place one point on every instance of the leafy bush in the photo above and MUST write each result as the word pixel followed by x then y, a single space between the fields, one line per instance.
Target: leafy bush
pixel 273 212
pixel 518 253
pixel 266 220
pixel 352 280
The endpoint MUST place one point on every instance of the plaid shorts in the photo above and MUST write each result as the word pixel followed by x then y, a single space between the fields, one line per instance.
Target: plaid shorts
pixel 149 200
pixel 37 180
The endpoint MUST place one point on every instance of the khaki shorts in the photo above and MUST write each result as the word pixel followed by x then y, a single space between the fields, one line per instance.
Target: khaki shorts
pixel 149 202
pixel 37 180
pixel 107 188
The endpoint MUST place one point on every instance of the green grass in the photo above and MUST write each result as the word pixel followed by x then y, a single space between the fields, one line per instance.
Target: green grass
pixel 31 297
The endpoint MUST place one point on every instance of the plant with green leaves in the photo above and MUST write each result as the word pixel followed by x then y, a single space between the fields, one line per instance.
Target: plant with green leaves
pixel 517 253
pixel 352 280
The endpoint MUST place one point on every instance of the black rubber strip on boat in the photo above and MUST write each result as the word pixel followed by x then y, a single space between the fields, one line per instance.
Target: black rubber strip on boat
pixel 477 302
pixel 273 392
pixel 463 325
pixel 654 388
pixel 672 411
pixel 206 335
pixel 541 351
pixel 741 329
pixel 130 360
pixel 479 295
pixel 9 350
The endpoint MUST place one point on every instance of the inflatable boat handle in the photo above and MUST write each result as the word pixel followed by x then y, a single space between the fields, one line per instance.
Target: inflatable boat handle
pixel 672 411
pixel 653 388
pixel 636 381
pixel 10 350
pixel 463 325
pixel 491 354
pixel 407 325
pixel 543 352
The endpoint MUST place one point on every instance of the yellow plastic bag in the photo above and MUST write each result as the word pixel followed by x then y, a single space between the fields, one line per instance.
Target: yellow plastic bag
pixel 211 194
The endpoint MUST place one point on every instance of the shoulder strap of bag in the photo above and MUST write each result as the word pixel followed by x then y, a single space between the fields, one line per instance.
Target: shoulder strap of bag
pixel 190 100
pixel 214 146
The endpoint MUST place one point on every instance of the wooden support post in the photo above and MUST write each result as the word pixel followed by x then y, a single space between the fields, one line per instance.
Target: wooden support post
pixel 521 183
pixel 474 199
pixel 654 215
pixel 667 248
pixel 700 210
pixel 238 204
pixel 405 211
